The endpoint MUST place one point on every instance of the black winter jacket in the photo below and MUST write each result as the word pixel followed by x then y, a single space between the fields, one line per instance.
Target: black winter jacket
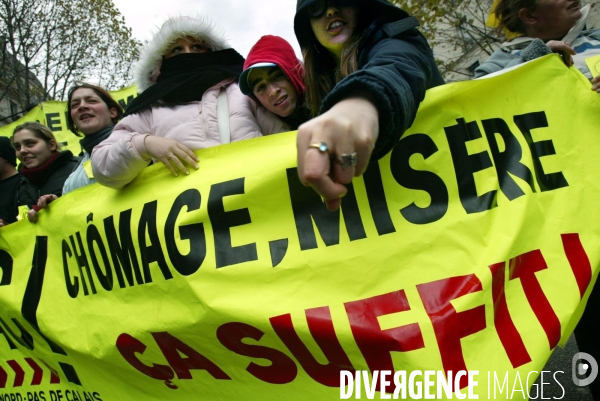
pixel 8 200
pixel 53 182
pixel 396 66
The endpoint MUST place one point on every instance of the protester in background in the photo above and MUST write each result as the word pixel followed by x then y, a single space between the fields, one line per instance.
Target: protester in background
pixel 274 76
pixel 550 26
pixel 366 71
pixel 544 27
pixel 9 182
pixel 43 166
pixel 190 100
pixel 93 112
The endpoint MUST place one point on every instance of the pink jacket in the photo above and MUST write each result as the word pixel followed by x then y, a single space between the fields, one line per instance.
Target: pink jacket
pixel 117 160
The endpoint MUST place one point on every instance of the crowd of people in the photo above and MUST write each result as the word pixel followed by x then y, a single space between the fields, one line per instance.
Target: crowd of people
pixel 364 72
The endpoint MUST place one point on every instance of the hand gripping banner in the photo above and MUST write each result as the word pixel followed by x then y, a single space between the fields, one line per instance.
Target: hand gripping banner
pixel 472 247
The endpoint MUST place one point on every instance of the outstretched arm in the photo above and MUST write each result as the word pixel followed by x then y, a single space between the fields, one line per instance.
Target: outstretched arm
pixel 351 126
pixel 366 113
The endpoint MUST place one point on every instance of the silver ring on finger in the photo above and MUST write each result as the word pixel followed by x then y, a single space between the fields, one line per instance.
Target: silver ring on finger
pixel 347 160
pixel 170 156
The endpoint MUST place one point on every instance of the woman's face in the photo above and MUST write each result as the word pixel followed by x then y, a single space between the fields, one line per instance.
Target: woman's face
pixel 186 45
pixel 89 112
pixel 334 28
pixel 556 17
pixel 31 150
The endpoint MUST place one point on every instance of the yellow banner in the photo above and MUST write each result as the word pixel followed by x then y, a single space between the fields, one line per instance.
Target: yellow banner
pixel 493 22
pixel 470 248
pixel 593 64
pixel 53 114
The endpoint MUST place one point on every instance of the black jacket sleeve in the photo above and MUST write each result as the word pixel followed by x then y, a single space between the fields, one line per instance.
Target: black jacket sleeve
pixel 61 169
pixel 395 74
pixel 27 194
pixel 54 184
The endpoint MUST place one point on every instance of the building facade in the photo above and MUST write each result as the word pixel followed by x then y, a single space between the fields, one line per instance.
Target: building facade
pixel 465 40
pixel 15 99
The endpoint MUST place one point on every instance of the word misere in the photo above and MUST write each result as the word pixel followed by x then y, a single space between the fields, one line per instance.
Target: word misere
pixel 375 344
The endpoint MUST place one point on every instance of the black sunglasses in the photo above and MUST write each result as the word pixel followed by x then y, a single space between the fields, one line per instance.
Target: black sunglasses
pixel 318 8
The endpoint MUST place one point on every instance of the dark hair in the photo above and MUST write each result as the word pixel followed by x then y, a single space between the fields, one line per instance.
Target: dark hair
pixel 507 13
pixel 102 93
pixel 39 130
pixel 322 72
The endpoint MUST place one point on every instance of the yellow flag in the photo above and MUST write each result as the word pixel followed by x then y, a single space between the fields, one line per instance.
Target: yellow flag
pixel 53 115
pixel 494 22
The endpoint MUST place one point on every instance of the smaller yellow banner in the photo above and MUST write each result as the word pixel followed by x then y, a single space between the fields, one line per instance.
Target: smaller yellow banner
pixel 53 114
pixel 593 64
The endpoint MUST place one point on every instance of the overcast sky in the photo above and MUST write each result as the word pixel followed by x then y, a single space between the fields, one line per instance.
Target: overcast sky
pixel 243 21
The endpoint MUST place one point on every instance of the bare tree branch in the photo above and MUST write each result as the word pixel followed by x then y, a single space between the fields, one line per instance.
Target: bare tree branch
pixel 48 44
pixel 457 32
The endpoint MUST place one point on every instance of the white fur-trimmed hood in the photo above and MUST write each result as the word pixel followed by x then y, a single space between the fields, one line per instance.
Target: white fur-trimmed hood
pixel 147 68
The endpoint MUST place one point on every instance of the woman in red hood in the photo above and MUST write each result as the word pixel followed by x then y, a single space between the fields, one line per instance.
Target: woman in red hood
pixel 274 76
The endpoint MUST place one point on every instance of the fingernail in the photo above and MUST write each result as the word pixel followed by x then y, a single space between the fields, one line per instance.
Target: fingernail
pixel 176 175
pixel 187 172
pixel 196 166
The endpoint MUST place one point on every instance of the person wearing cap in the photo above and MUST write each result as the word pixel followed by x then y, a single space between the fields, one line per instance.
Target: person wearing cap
pixel 367 68
pixel 273 76
pixel 189 100
pixel 9 182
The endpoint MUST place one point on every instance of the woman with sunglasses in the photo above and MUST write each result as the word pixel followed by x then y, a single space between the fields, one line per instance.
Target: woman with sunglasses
pixel 367 69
